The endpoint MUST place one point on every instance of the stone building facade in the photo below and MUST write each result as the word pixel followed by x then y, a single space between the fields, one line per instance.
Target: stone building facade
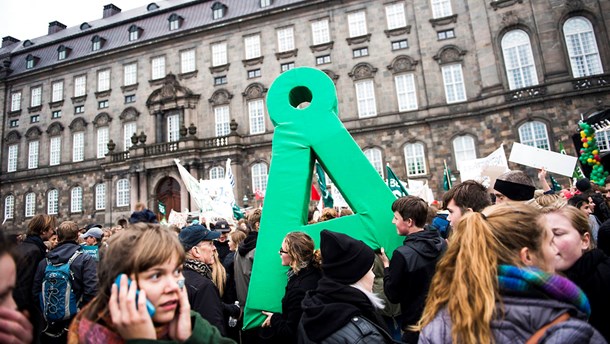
pixel 93 116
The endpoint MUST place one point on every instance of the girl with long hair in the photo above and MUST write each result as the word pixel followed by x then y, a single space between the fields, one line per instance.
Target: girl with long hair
pixel 151 257
pixel 495 284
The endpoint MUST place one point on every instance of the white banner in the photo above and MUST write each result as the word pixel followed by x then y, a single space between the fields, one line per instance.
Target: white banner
pixel 538 158
pixel 475 169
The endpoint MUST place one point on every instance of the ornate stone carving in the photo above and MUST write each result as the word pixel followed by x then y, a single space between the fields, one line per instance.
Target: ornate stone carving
pixel 402 63
pixel 449 54
pixel 359 39
pixel 55 129
pixel 444 20
pixel 171 95
pixel 78 124
pixel 254 91
pixel 221 68
pixel 13 137
pixel 220 97
pixel 331 75
pixel 322 47
pixel 510 18
pixel 33 133
pixel 129 114
pixel 398 31
pixel 503 3
pixel 286 54
pixel 102 120
pixel 253 62
pixel 574 5
pixel 362 71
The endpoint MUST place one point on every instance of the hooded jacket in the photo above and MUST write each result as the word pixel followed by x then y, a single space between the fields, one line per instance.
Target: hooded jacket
pixel 243 266
pixel 407 279
pixel 204 298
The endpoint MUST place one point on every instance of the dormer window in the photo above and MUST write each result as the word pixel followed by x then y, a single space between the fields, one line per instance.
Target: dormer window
pixel 134 32
pixel 85 26
pixel 152 6
pixel 175 21
pixel 97 43
pixel 265 3
pixel 27 43
pixel 218 10
pixel 63 52
pixel 30 61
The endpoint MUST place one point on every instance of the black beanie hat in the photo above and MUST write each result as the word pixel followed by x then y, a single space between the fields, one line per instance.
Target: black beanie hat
pixel 583 185
pixel 344 259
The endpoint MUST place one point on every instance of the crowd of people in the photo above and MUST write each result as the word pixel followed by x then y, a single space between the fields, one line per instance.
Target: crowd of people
pixel 509 264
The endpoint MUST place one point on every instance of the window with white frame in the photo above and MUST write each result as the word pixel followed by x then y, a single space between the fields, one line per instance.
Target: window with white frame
pixel 320 31
pixel 78 146
pixel 54 150
pixel 285 39
pixel 415 159
pixel 265 3
pixel 217 172
pixel 134 33
pixel 80 85
pixel 158 67
pixel 33 154
pixel 257 116
pixel 174 22
pixel 30 204
pixel 103 80
pixel 603 140
pixel 100 196
pixel 259 177
pixel 9 207
pixel 36 96
pixel 252 45
pixel 15 101
pixel 129 129
pixel 13 150
pixel 365 95
pixel 582 47
pixel 221 114
pixel 52 202
pixel 57 89
pixel 102 142
pixel 534 134
pixel 441 8
pixel 187 61
pixel 122 193
pixel 464 149
pixel 454 83
pixel 374 156
pixel 76 199
pixel 219 54
pixel 130 74
pixel 519 60
pixel 357 24
pixel 173 128
pixel 405 92
pixel 96 43
pixel 395 14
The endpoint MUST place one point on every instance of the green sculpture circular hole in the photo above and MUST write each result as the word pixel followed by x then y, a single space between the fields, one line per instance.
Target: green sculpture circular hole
pixel 300 97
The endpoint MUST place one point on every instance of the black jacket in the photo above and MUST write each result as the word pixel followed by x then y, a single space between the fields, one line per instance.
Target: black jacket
pixel 592 274
pixel 29 254
pixel 284 325
pixel 603 237
pixel 337 313
pixel 408 278
pixel 204 298
pixel 83 268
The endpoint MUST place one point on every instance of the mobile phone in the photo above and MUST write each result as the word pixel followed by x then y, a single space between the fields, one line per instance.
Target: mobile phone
pixel 149 306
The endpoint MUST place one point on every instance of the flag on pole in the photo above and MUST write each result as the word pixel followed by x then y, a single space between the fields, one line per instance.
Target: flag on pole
pixel 315 195
pixel 447 177
pixel 395 184
pixel 578 174
pixel 238 212
pixel 161 208
pixel 229 174
pixel 326 196
pixel 555 185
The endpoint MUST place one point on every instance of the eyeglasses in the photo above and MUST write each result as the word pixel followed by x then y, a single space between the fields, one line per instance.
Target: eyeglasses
pixel 282 251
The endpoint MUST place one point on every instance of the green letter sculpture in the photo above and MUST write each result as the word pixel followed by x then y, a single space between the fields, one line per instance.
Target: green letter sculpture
pixel 301 136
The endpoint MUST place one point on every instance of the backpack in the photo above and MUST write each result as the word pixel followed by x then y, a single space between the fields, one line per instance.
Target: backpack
pixel 57 300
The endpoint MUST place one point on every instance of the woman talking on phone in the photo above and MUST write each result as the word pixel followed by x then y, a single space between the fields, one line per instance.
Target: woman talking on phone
pixel 145 260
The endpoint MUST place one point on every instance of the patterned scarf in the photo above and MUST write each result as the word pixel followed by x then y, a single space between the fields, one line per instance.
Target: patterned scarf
pixel 199 267
pixel 512 278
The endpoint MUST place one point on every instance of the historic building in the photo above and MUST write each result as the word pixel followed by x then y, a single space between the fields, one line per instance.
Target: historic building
pixel 94 115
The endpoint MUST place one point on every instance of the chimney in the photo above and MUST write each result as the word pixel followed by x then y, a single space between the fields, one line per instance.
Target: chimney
pixel 110 10
pixel 8 40
pixel 55 26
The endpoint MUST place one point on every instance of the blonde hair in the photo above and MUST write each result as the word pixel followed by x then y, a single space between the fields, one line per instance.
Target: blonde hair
pixel 469 268
pixel 577 219
pixel 549 200
pixel 300 248
pixel 219 274
pixel 138 248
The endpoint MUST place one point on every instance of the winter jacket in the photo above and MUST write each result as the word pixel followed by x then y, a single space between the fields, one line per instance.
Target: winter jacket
pixel 243 266
pixel 592 274
pixel 407 279
pixel 31 251
pixel 204 298
pixel 523 316
pixel 284 325
pixel 603 237
pixel 145 215
pixel 341 314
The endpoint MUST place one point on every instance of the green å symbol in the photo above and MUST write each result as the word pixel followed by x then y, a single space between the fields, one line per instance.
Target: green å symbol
pixel 302 135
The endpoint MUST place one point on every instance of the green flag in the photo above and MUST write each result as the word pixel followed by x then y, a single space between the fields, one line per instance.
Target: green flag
pixel 555 185
pixel 326 196
pixel 161 208
pixel 577 174
pixel 447 178
pixel 238 212
pixel 394 183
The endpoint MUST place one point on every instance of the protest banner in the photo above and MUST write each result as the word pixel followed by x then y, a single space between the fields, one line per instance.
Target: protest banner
pixel 541 158
pixel 475 169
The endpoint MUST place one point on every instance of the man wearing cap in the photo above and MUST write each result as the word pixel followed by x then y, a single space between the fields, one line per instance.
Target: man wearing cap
pixel 202 293
pixel 514 186
pixel 407 277
pixel 92 238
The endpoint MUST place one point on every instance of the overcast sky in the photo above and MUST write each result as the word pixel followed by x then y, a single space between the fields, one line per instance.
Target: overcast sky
pixel 27 19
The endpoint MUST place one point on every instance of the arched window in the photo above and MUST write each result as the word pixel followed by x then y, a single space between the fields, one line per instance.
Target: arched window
pixel 374 156
pixel 534 134
pixel 52 202
pixel 259 177
pixel 122 193
pixel 76 199
pixel 30 204
pixel 217 172
pixel 100 196
pixel 582 47
pixel 519 60
pixel 9 207
pixel 415 159
pixel 463 148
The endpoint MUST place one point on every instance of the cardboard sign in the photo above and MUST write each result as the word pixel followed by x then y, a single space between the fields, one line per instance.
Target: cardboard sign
pixel 485 170
pixel 541 158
